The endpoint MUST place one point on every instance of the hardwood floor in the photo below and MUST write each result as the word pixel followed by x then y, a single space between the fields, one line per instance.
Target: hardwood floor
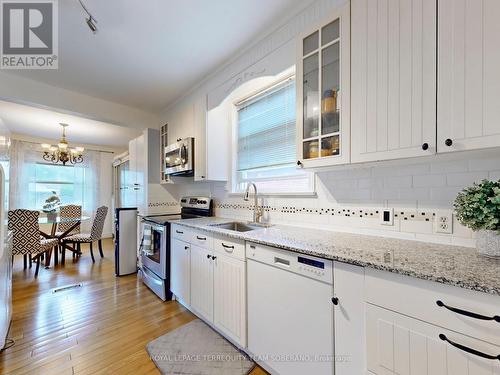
pixel 101 327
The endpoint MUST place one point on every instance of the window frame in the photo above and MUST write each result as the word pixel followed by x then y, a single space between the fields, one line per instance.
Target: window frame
pixel 263 89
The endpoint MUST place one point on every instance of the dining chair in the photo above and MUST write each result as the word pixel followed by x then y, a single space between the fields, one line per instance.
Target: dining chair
pixel 26 236
pixel 94 235
pixel 70 211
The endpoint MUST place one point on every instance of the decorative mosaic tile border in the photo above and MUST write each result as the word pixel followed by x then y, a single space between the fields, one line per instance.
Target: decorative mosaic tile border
pixel 162 204
pixel 366 213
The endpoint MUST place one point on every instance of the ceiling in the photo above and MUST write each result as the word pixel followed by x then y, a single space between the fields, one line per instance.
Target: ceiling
pixel 42 123
pixel 147 53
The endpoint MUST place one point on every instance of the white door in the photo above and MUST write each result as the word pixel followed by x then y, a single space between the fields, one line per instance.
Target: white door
pixel 468 74
pixel 349 317
pixel 397 344
pixel 393 79
pixel 180 270
pixel 202 282
pixel 230 297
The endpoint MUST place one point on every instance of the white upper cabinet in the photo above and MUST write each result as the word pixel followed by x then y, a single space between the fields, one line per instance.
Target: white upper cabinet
pixel 200 138
pixel 469 74
pixel 393 79
pixel 323 92
pixel 218 143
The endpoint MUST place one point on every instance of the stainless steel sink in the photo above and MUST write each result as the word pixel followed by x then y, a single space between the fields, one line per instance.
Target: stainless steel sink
pixel 240 227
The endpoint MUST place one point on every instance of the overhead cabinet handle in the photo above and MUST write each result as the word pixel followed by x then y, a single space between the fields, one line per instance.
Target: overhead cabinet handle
pixel 470 314
pixel 469 350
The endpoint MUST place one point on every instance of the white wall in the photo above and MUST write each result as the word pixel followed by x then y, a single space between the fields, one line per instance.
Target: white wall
pixel 417 188
pixel 106 191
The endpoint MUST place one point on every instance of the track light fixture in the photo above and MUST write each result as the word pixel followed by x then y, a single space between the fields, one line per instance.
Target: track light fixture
pixel 91 21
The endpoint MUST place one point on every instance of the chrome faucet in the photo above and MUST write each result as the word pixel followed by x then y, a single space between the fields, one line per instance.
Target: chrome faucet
pixel 257 210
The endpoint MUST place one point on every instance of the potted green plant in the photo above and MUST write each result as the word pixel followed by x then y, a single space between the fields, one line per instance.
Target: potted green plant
pixel 478 208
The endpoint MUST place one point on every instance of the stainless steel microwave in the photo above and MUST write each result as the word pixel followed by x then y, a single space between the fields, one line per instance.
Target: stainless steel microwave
pixel 179 158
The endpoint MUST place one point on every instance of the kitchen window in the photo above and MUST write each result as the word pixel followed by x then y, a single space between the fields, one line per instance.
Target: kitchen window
pixel 266 142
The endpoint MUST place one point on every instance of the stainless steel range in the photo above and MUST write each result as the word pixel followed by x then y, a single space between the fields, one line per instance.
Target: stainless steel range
pixel 155 243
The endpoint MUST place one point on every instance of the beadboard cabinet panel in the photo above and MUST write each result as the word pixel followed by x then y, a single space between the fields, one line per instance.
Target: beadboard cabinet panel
pixel 468 75
pixel 393 79
pixel 397 344
pixel 202 279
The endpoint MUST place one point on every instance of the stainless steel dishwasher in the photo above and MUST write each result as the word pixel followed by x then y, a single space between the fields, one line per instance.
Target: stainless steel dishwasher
pixel 290 313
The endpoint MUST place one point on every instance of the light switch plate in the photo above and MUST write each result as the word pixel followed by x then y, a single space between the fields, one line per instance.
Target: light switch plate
pixel 387 216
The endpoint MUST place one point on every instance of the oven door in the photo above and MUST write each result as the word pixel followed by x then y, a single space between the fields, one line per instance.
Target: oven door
pixel 179 157
pixel 154 248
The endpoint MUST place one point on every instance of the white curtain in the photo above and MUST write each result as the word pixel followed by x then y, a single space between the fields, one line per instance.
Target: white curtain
pixel 86 185
pixel 90 185
pixel 23 158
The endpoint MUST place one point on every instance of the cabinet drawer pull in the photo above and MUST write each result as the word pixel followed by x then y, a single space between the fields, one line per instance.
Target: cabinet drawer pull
pixel 201 238
pixel 496 318
pixel 227 247
pixel 179 231
pixel 468 350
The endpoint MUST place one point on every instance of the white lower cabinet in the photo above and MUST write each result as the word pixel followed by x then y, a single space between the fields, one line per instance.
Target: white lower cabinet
pixel 349 318
pixel 217 284
pixel 230 297
pixel 397 344
pixel 180 269
pixel 202 277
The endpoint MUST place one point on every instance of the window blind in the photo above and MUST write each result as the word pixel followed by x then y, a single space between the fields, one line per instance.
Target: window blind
pixel 266 129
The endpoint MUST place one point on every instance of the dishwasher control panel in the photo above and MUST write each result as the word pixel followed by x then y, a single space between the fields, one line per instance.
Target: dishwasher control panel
pixel 310 266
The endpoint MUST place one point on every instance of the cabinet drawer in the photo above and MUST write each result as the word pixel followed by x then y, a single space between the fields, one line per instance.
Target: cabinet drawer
pixel 443 305
pixel 398 344
pixel 230 247
pixel 202 239
pixel 180 232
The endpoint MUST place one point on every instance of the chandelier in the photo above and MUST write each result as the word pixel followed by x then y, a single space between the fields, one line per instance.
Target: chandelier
pixel 62 153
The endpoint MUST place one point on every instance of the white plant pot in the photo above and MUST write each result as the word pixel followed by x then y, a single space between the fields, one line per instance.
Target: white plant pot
pixel 488 243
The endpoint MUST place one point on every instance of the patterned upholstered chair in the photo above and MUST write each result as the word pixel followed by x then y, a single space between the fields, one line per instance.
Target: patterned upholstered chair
pixel 70 211
pixel 94 235
pixel 26 236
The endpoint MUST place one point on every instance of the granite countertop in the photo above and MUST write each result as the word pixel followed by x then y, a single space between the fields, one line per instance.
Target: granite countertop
pixel 454 265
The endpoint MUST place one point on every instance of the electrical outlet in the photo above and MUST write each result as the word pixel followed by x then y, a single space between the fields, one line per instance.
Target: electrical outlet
pixel 444 222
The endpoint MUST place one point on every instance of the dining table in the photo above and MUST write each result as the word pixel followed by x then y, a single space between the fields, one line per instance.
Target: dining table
pixel 54 221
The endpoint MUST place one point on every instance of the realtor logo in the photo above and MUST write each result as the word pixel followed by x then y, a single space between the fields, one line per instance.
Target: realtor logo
pixel 28 34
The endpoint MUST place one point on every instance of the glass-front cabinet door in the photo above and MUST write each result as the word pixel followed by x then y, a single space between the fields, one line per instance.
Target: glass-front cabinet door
pixel 323 105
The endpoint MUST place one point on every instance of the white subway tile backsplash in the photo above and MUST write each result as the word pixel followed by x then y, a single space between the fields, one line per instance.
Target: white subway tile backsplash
pixel 428 180
pixel 348 197
pixel 484 164
pixel 445 194
pixel 494 175
pixel 450 166
pixel 398 182
pixel 465 179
